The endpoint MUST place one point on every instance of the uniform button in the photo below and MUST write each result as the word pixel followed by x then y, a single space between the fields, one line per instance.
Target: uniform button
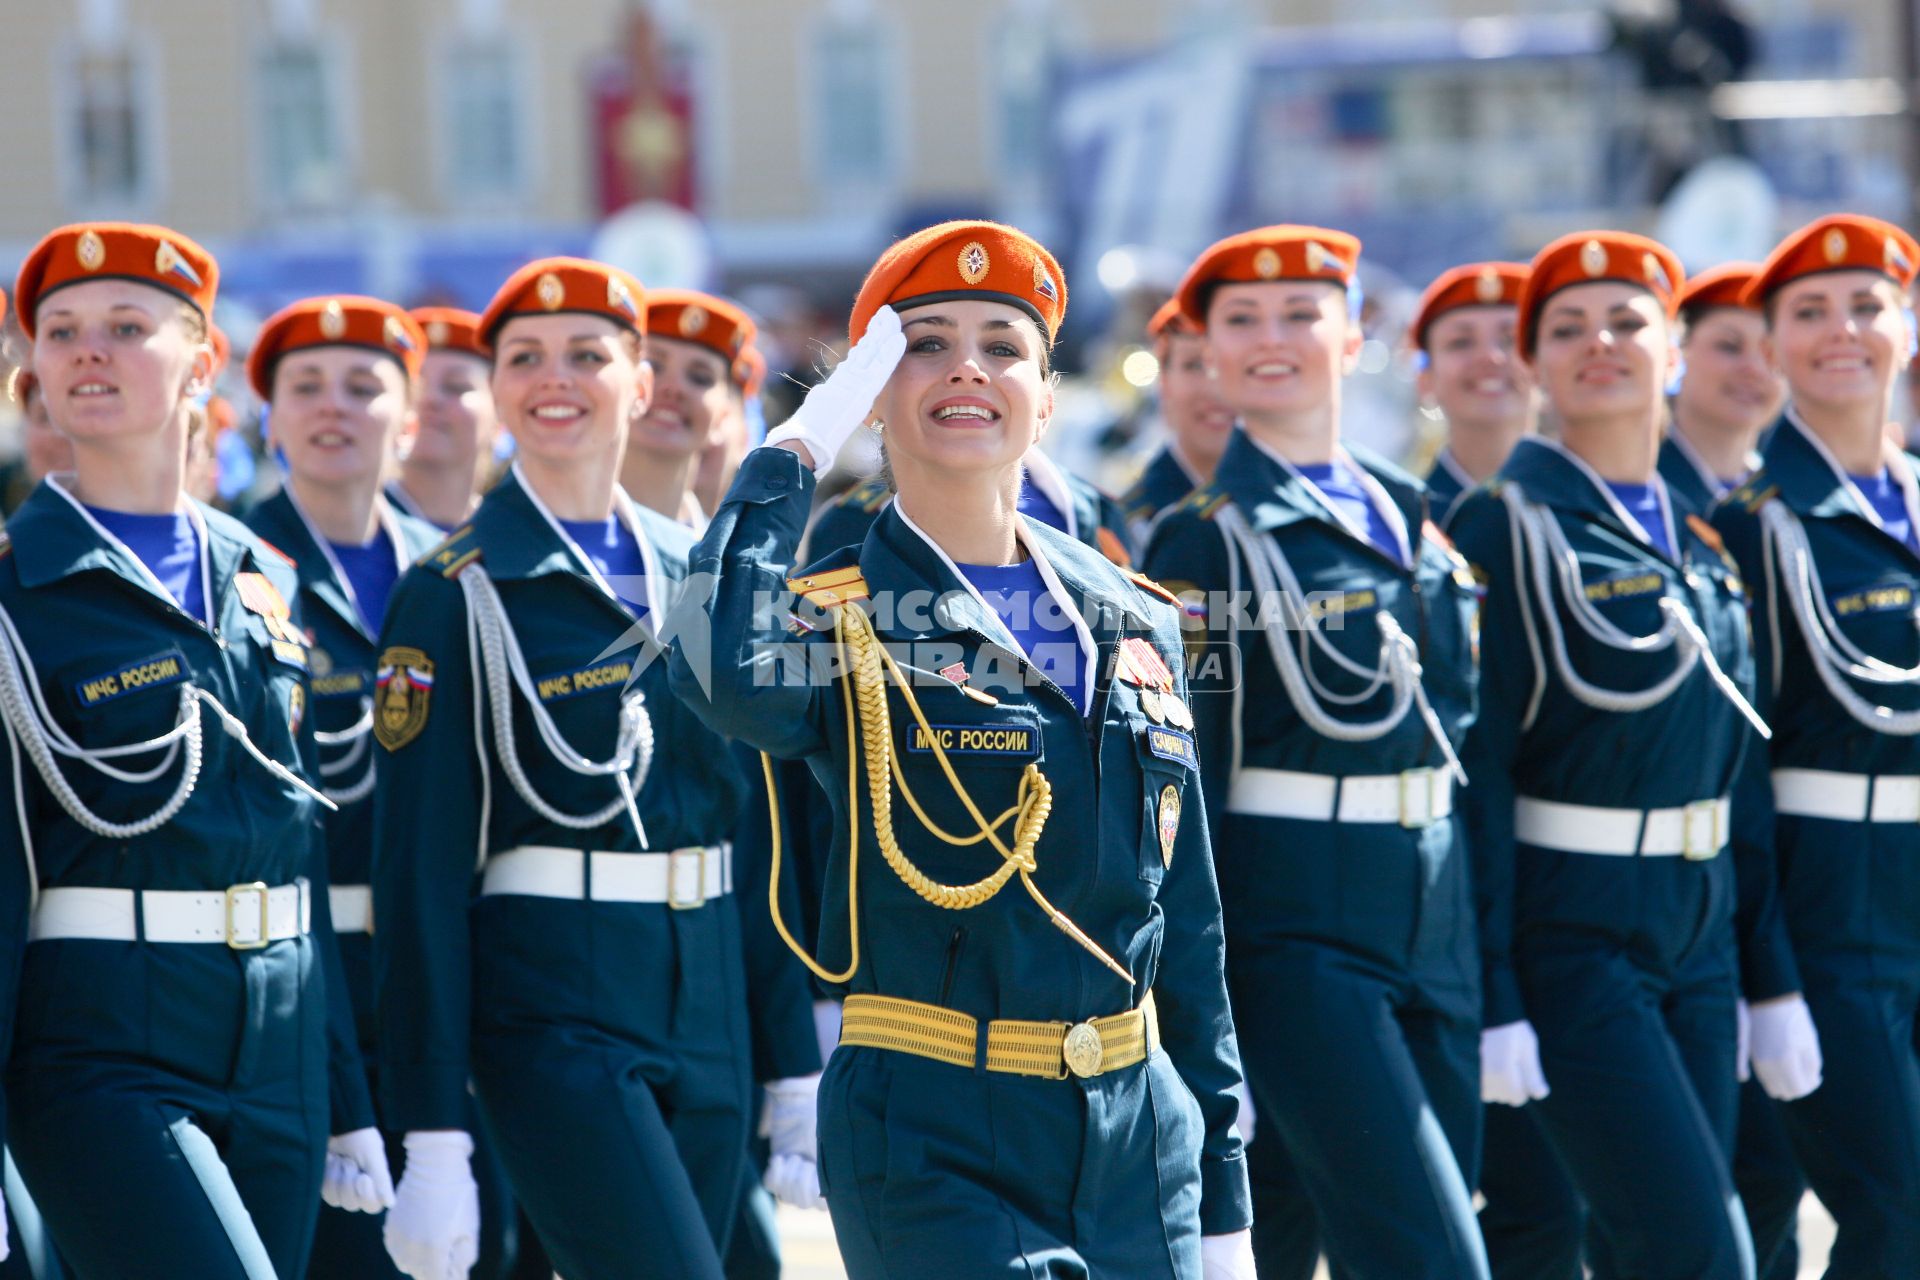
pixel 777 482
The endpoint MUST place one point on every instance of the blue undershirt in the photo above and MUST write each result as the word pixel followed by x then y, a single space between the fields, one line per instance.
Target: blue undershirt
pixel 1642 502
pixel 1883 494
pixel 612 549
pixel 1038 505
pixel 372 571
pixel 1342 487
pixel 168 545
pixel 1045 633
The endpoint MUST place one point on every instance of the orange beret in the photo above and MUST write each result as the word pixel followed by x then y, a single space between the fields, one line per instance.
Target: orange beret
pixel 450 329
pixel 1721 286
pixel 83 251
pixel 1838 242
pixel 343 321
pixel 1477 284
pixel 964 260
pixel 702 318
pixel 750 372
pixel 577 286
pixel 1587 257
pixel 1281 252
pixel 1168 322
pixel 220 416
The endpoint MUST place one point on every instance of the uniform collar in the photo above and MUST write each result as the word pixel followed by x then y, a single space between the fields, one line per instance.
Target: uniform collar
pixel 319 568
pixel 1052 482
pixel 1165 480
pixel 1549 473
pixel 1448 484
pixel 1811 480
pixel 524 540
pixel 1270 493
pixel 54 537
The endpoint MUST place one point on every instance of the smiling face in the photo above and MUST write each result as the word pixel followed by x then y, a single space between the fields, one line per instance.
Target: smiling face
pixel 1603 350
pixel 1840 339
pixel 1473 372
pixel 336 414
pixel 457 418
pixel 970 394
pixel 1190 401
pixel 1727 379
pixel 692 395
pixel 568 386
pixel 1280 349
pixel 117 360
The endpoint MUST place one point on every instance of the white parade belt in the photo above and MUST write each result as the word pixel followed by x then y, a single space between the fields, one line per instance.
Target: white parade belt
pixel 245 917
pixel 682 879
pixel 1696 831
pixel 1415 798
pixel 1847 797
pixel 351 906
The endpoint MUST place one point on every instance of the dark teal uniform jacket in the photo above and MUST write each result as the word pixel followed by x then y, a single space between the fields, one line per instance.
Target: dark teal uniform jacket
pixel 1162 484
pixel 1100 860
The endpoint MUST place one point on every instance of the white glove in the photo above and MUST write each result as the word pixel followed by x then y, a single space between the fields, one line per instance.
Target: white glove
pixel 792 1174
pixel 1742 1042
pixel 433 1229
pixel 836 407
pixel 1245 1120
pixel 826 1027
pixel 1510 1065
pixel 357 1179
pixel 1228 1257
pixel 1786 1048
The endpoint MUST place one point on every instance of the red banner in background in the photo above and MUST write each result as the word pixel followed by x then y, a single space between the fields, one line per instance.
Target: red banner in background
pixel 641 106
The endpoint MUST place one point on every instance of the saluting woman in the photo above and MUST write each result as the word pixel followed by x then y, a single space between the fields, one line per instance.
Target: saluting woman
pixel 1037 1059
pixel 1613 714
pixel 570 942
pixel 1828 535
pixel 174 1073
pixel 1337 677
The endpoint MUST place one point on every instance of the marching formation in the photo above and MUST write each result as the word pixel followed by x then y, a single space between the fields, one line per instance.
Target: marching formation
pixel 443 874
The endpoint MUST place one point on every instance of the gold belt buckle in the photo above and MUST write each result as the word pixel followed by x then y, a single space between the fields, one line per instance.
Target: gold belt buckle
pixel 1421 780
pixel 699 854
pixel 234 894
pixel 1083 1050
pixel 1691 849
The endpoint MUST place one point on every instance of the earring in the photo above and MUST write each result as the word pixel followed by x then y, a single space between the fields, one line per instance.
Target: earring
pixel 876 426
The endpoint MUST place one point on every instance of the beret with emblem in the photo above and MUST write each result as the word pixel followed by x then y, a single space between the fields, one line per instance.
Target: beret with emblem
pixel 155 256
pixel 690 316
pixel 450 329
pixel 577 286
pixel 1168 322
pixel 964 260
pixel 1591 257
pixel 1477 284
pixel 1265 254
pixel 1721 286
pixel 1838 242
pixel 750 372
pixel 340 321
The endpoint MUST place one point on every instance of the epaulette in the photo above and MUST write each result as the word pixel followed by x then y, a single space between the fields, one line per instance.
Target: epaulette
pixel 830 587
pixel 1462 571
pixel 454 553
pixel 291 562
pixel 869 495
pixel 1151 587
pixel 1750 498
pixel 1206 501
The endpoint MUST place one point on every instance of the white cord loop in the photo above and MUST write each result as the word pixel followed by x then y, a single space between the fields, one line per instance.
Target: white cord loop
pixel 1398 666
pixel 357 738
pixel 1789 561
pixel 504 669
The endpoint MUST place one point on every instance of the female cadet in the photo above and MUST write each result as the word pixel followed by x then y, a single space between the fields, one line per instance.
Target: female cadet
pixel 1197 422
pixel 338 374
pixel 1005 1094
pixel 593 987
pixel 1331 769
pixel 446 463
pixel 168 1094
pixel 1469 371
pixel 1826 535
pixel 1611 722
pixel 693 341
pixel 1725 395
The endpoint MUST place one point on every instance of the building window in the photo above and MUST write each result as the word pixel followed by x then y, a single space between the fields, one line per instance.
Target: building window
pixel 304 162
pixel 106 140
pixel 486 153
pixel 856 63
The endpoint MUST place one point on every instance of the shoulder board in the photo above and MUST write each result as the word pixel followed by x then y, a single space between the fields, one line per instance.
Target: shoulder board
pixel 1747 497
pixel 831 587
pixel 453 554
pixel 1706 533
pixel 1433 533
pixel 1206 501
pixel 869 495
pixel 290 561
pixel 1151 587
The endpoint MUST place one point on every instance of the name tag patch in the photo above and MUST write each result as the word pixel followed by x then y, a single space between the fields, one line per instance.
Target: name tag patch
pixel 1873 600
pixel 1620 588
pixel 148 673
pixel 567 684
pixel 1171 744
pixel 976 740
pixel 339 684
pixel 1323 606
